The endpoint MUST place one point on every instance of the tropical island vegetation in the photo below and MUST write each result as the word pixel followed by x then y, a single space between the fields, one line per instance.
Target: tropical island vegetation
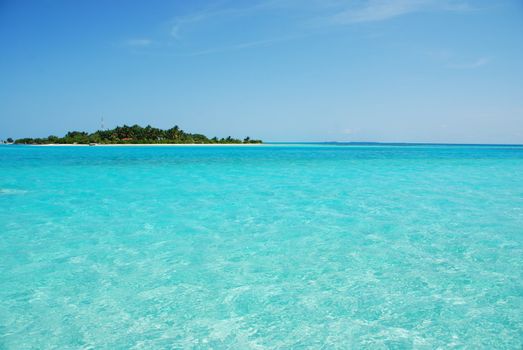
pixel 134 135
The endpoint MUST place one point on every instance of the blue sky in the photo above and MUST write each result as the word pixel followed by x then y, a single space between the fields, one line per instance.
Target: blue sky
pixel 280 70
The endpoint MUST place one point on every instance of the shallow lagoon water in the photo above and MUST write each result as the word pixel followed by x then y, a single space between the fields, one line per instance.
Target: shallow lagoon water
pixel 301 246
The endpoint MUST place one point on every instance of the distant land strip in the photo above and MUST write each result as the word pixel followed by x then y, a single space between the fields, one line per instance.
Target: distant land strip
pixel 134 135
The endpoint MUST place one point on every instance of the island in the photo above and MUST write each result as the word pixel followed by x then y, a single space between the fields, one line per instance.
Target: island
pixel 134 135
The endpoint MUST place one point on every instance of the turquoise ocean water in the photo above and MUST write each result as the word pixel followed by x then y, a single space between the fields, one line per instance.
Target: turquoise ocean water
pixel 277 247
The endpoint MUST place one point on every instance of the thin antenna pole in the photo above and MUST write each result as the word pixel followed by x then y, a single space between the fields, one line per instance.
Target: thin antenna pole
pixel 102 123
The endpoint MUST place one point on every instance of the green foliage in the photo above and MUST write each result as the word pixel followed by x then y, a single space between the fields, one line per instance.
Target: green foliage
pixel 133 135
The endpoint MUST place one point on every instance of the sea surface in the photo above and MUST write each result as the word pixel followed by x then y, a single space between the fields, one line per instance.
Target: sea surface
pixel 262 247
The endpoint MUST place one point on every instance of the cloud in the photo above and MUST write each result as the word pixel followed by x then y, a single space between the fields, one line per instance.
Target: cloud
pixel 322 12
pixel 470 65
pixel 243 45
pixel 304 18
pixel 376 11
pixel 142 42
pixel 440 55
pixel 379 10
pixel 180 23
pixel 451 60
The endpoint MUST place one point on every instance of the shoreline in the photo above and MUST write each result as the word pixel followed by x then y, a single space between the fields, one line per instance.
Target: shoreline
pixel 154 144
pixel 269 144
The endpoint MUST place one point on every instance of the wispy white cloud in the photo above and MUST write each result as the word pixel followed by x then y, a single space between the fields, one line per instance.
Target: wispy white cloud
pixel 443 55
pixel 379 10
pixel 141 42
pixel 227 48
pixel 307 16
pixel 179 24
pixel 450 59
pixel 376 11
pixel 470 65
pixel 349 131
pixel 322 12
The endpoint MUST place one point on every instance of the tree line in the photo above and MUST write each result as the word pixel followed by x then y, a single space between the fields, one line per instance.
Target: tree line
pixel 133 135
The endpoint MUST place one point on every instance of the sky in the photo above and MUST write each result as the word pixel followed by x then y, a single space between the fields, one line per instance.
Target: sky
pixel 446 71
